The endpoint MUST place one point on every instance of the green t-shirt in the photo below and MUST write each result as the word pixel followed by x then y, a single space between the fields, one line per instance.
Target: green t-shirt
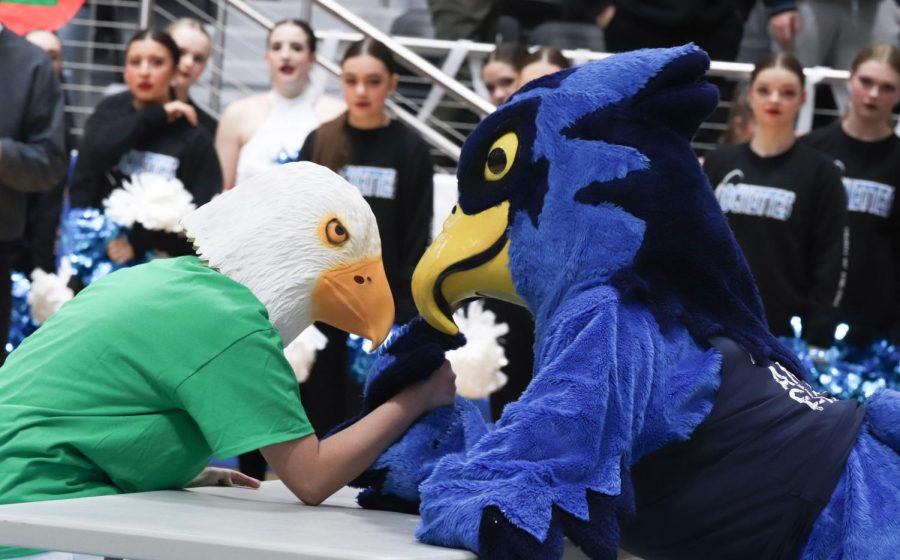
pixel 134 384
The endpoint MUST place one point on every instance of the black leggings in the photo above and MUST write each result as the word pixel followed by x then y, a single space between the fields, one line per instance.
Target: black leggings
pixel 253 464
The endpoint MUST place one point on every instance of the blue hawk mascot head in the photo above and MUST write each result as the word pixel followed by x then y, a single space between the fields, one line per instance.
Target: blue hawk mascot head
pixel 581 199
pixel 587 176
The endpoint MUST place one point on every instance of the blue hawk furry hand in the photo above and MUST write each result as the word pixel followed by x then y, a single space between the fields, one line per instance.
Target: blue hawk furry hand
pixel 416 351
pixel 392 482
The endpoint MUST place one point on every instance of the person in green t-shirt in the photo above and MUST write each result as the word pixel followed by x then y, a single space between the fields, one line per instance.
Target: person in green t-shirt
pixel 135 383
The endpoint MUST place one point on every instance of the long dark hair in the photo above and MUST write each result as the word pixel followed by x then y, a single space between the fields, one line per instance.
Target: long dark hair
pixel 160 37
pixel 879 52
pixel 373 48
pixel 307 30
pixel 332 149
pixel 513 54
pixel 779 60
pixel 550 55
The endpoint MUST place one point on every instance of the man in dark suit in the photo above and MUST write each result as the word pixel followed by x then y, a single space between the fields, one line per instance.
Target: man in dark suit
pixel 32 153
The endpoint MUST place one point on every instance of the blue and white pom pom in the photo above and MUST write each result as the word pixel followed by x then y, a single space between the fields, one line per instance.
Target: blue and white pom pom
pixel 477 365
pixel 360 355
pixel 848 372
pixel 49 292
pixel 153 201
pixel 84 235
pixel 479 362
pixel 301 353
pixel 21 323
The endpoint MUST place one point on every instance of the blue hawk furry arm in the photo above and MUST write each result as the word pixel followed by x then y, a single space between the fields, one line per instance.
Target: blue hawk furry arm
pixel 392 482
pixel 557 462
pixel 569 432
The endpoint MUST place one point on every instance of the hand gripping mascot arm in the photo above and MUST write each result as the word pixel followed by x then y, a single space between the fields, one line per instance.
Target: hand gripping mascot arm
pixel 662 417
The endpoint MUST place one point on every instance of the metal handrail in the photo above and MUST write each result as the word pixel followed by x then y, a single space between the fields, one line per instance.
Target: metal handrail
pixel 737 70
pixel 93 66
pixel 251 13
pixel 480 106
pixel 733 70
pixel 146 13
pixel 445 136
pixel 135 4
pixel 103 23
pixel 729 70
pixel 195 12
pixel 218 58
pixel 94 44
pixel 429 134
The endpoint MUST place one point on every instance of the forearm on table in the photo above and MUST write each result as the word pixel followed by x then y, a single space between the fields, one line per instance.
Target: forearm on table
pixel 315 469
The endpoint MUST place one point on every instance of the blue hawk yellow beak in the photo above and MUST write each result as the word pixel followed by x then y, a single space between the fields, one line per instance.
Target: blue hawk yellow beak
pixel 470 258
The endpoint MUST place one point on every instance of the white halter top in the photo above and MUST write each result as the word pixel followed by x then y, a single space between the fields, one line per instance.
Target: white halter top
pixel 280 136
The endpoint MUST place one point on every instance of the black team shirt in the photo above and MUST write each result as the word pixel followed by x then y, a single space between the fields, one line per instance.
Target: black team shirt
pixel 871 175
pixel 393 170
pixel 120 141
pixel 753 477
pixel 788 214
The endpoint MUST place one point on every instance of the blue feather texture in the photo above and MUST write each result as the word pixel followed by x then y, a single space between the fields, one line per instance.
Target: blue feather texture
pixel 621 251
pixel 605 380
pixel 392 483
pixel 862 519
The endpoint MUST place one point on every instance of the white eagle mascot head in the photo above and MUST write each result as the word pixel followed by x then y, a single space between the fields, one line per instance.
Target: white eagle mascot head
pixel 306 243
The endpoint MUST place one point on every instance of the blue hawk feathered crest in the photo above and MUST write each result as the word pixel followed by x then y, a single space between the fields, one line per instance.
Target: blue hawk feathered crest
pixel 606 189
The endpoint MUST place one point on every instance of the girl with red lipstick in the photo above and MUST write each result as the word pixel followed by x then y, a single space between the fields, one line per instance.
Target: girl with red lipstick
pixel 195 45
pixel 867 151
pixel 392 167
pixel 786 206
pixel 145 130
pixel 262 131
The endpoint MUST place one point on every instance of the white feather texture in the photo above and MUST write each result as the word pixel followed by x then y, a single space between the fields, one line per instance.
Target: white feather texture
pixel 49 292
pixel 264 233
pixel 301 353
pixel 478 363
pixel 153 201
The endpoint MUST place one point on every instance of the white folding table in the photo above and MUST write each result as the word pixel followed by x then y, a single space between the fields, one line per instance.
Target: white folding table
pixel 217 523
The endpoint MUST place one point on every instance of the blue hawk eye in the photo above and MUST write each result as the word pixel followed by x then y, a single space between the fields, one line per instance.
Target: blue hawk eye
pixel 496 161
pixel 501 156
